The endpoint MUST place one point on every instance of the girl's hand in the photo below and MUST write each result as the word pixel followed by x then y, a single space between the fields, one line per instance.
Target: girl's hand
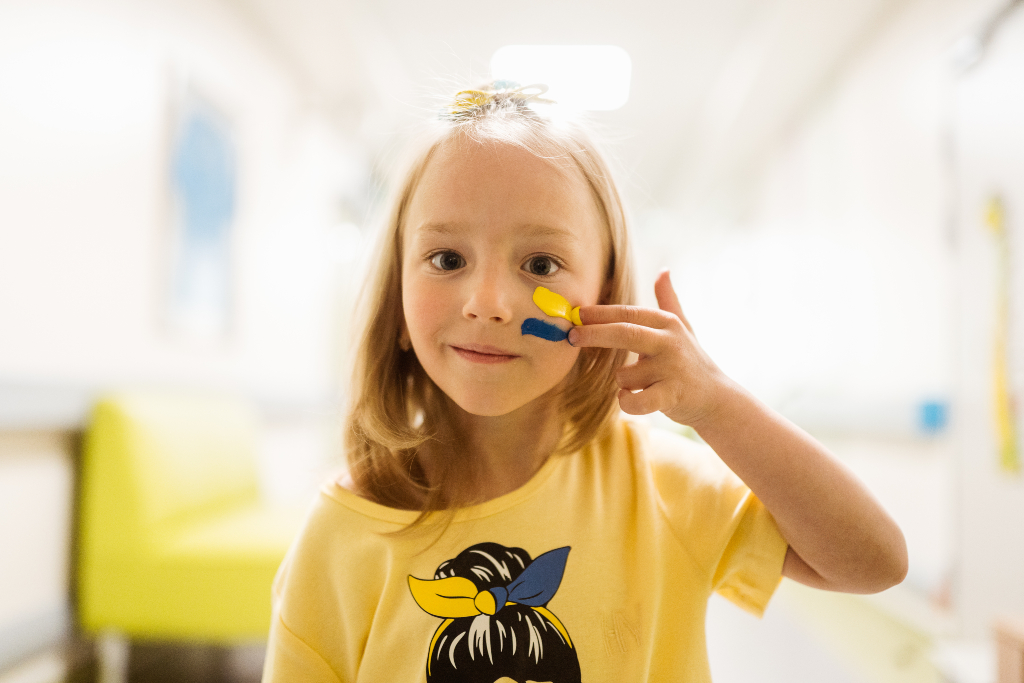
pixel 673 374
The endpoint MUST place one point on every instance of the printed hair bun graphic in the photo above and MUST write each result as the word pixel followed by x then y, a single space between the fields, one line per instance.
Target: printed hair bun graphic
pixel 493 601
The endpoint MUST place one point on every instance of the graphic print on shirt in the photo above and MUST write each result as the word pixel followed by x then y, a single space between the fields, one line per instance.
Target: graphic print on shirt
pixel 496 622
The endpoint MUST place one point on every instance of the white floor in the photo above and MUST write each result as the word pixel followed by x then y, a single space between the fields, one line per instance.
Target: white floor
pixel 48 667
pixel 775 649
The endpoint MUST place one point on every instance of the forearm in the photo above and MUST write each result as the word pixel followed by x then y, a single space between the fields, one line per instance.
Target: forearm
pixel 841 537
pixel 828 517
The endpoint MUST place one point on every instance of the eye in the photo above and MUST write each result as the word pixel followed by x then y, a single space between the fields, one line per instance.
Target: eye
pixel 447 260
pixel 541 265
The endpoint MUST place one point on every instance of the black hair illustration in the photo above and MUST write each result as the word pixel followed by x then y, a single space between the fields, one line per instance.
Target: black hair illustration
pixel 493 601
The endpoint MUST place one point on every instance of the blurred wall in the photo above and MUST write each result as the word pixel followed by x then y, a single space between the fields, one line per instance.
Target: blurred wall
pixel 88 91
pixel 870 214
pixel 87 94
pixel 988 145
pixel 896 167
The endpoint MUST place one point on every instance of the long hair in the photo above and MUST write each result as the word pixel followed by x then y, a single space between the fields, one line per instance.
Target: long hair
pixel 394 407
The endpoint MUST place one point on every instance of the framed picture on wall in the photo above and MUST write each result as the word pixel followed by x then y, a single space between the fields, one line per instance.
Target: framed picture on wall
pixel 202 188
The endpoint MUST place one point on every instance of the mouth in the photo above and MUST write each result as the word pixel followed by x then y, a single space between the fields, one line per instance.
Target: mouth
pixel 482 353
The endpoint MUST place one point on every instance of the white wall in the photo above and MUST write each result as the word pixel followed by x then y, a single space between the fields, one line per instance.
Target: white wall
pixel 86 92
pixel 990 154
pixel 861 275
pixel 839 268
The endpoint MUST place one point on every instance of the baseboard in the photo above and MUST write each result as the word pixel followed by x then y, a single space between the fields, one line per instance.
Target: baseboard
pixel 26 636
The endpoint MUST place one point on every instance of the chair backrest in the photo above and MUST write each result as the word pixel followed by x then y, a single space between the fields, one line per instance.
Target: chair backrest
pixel 154 461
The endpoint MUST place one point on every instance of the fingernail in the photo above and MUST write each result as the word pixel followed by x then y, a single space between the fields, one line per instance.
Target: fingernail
pixel 573 336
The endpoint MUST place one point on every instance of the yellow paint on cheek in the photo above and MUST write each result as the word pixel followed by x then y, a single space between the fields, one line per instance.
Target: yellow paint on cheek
pixel 556 305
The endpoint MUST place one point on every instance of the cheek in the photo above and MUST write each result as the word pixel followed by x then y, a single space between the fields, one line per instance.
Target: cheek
pixel 557 359
pixel 422 309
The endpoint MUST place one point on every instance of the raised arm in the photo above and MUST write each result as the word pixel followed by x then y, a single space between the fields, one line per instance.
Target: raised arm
pixel 839 537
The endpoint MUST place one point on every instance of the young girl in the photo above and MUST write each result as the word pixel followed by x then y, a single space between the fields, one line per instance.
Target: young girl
pixel 502 520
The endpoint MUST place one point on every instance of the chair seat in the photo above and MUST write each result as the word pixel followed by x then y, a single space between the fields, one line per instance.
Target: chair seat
pixel 254 535
pixel 209 582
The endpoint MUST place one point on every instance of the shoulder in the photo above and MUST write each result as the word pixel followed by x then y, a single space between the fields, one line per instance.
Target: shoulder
pixel 695 488
pixel 336 530
pixel 680 469
pixel 325 590
pixel 336 566
pixel 673 453
pixel 313 543
pixel 666 447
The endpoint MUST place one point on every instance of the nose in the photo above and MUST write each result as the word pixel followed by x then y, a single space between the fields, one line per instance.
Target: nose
pixel 489 298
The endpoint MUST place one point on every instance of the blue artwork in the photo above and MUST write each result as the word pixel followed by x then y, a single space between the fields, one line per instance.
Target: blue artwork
pixel 203 190
pixel 933 416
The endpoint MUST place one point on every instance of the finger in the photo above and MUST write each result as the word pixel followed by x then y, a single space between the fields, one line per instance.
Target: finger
pixel 667 299
pixel 637 376
pixel 634 315
pixel 645 402
pixel 635 338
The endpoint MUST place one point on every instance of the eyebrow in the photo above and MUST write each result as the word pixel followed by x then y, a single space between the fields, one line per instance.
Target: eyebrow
pixel 531 230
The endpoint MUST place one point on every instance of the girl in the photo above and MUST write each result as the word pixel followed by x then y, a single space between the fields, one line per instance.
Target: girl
pixel 501 519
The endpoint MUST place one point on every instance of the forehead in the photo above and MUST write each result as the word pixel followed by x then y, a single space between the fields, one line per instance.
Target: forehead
pixel 500 185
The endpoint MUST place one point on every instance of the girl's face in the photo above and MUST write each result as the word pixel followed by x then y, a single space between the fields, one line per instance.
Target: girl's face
pixel 488 224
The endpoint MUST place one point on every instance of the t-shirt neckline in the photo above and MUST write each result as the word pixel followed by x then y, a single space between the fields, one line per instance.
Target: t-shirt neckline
pixel 368 508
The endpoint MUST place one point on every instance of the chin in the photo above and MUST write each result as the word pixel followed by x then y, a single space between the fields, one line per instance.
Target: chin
pixel 499 398
pixel 487 406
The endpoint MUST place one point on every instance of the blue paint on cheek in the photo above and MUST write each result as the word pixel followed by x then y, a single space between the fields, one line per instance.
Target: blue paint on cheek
pixel 539 328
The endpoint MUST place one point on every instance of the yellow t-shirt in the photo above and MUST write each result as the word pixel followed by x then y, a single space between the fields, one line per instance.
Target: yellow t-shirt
pixel 598 569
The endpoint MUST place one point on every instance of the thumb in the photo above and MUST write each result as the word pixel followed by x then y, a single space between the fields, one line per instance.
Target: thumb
pixel 667 299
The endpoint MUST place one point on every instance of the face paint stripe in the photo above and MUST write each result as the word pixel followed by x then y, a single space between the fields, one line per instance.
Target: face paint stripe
pixel 539 328
pixel 556 305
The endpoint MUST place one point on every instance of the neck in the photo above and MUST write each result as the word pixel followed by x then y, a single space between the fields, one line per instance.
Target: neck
pixel 505 450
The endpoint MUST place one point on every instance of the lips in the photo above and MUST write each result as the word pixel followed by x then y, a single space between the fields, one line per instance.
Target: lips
pixel 483 353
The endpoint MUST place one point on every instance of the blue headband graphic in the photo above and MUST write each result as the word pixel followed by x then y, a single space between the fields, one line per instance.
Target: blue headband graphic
pixel 456 597
pixel 538 583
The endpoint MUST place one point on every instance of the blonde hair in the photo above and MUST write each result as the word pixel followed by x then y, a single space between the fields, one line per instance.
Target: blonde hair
pixel 394 406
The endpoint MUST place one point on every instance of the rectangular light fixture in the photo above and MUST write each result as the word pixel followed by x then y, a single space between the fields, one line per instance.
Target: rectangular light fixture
pixel 581 77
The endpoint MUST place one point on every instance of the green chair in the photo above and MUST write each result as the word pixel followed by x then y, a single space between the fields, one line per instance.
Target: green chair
pixel 175 543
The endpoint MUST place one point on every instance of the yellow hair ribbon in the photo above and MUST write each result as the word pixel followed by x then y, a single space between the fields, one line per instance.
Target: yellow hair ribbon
pixel 556 305
pixel 467 100
pixel 446 598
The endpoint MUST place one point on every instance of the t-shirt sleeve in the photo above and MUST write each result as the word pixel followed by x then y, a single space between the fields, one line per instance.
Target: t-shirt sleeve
pixel 316 616
pixel 291 659
pixel 723 526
